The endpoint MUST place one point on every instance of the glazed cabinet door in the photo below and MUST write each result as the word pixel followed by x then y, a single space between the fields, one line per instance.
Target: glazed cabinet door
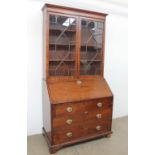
pixel 62 45
pixel 91 48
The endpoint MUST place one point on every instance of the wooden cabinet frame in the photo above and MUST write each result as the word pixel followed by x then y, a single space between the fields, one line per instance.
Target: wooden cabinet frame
pixel 78 15
pixel 78 95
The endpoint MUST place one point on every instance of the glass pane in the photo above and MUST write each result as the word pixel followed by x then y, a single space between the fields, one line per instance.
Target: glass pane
pixel 91 47
pixel 62 31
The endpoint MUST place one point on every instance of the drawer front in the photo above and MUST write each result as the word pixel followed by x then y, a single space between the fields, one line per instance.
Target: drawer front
pixel 81 107
pixel 81 131
pixel 72 120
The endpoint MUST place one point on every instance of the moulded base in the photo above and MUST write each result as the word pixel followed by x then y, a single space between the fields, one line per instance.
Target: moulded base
pixel 55 148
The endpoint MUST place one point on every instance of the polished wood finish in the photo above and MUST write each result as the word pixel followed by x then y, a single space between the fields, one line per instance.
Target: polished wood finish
pixel 58 122
pixel 73 11
pixel 77 105
pixel 83 130
pixel 46 110
pixel 88 89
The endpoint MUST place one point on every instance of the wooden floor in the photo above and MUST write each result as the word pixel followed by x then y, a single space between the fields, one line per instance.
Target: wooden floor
pixel 116 145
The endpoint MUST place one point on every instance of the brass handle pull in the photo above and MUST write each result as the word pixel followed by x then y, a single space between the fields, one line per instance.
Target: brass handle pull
pixel 69 109
pixel 69 121
pixel 98 127
pixel 99 104
pixel 69 134
pixel 79 82
pixel 99 116
pixel 86 112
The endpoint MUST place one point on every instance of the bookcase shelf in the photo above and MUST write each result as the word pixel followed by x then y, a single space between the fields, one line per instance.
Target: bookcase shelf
pixel 60 30
pixel 68 60
pixel 65 50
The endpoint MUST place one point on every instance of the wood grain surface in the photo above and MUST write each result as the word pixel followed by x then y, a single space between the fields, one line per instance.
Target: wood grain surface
pixel 68 91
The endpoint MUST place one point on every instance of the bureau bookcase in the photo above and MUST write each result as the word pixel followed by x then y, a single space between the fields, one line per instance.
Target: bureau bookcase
pixel 77 101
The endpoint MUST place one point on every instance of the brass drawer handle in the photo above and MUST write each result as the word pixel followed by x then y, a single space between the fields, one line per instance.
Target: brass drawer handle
pixel 86 112
pixel 98 127
pixel 69 121
pixel 69 134
pixel 79 82
pixel 99 116
pixel 99 104
pixel 69 109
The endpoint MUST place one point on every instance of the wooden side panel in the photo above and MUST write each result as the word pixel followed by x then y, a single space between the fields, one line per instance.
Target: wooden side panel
pixel 46 110
pixel 45 44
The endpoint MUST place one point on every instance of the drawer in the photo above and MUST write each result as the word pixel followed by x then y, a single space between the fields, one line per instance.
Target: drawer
pixel 82 131
pixel 81 107
pixel 73 120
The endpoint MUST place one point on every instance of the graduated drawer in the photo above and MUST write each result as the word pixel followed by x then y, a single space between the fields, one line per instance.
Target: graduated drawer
pixel 81 107
pixel 81 131
pixel 83 117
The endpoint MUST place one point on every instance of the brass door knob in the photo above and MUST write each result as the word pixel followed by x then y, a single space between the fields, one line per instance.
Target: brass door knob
pixel 98 116
pixel 69 121
pixel 98 127
pixel 69 134
pixel 99 104
pixel 69 109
